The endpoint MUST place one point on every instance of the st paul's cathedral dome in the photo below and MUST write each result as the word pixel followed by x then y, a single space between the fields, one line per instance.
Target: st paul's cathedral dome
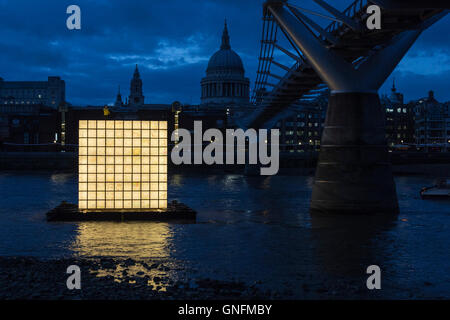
pixel 225 81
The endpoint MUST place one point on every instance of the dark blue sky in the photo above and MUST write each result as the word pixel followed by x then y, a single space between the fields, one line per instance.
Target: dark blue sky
pixel 171 40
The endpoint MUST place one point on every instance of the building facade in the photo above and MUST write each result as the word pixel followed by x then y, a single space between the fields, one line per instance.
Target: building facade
pixel 432 120
pixel 301 131
pixel 50 93
pixel 24 125
pixel 400 126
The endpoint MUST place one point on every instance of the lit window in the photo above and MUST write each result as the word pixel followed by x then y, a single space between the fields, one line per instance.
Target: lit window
pixel 122 165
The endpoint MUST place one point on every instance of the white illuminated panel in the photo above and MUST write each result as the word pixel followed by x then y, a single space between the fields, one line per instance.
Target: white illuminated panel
pixel 122 165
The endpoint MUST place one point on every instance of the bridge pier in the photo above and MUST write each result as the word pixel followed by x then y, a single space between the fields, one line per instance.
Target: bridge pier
pixel 354 172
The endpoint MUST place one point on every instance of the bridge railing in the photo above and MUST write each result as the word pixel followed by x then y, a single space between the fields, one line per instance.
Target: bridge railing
pixel 268 40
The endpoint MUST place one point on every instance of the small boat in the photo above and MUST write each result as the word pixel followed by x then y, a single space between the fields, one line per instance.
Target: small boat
pixel 441 190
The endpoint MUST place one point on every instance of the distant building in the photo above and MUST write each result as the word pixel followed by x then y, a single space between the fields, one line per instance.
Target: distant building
pixel 49 93
pixel 395 97
pixel 432 124
pixel 22 125
pixel 118 102
pixel 225 82
pixel 224 91
pixel 301 131
pixel 400 128
pixel 136 96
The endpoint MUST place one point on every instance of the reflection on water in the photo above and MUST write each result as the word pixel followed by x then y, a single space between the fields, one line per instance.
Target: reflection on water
pixel 135 240
pixel 345 245
pixel 139 241
pixel 61 178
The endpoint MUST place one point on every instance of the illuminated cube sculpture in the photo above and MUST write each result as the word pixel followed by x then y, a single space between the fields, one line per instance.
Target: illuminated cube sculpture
pixel 122 165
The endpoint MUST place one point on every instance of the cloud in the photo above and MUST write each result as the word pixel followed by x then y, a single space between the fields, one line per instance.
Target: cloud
pixel 167 55
pixel 171 40
pixel 426 64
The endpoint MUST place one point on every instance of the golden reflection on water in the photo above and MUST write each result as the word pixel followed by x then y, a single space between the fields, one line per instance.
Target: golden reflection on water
pixel 135 240
pixel 61 178
pixel 176 180
pixel 146 243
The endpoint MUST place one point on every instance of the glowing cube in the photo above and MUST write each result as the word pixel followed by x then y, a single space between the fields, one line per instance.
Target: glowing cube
pixel 122 165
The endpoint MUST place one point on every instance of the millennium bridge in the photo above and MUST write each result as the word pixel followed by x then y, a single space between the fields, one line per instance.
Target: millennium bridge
pixel 353 172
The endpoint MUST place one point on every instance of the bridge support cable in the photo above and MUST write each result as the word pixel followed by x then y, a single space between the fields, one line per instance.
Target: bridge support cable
pixel 349 22
pixel 298 58
pixel 292 45
pixel 326 35
pixel 282 66
pixel 313 13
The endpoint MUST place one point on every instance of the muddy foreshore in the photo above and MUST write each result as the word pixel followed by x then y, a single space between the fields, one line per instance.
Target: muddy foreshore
pixel 108 278
pixel 32 278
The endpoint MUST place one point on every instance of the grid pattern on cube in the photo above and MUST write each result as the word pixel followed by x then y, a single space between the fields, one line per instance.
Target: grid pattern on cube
pixel 122 165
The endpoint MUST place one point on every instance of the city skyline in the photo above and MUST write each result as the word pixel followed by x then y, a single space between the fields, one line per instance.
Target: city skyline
pixel 115 36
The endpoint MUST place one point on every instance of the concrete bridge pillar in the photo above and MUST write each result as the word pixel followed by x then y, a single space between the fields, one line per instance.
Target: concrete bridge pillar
pixel 353 173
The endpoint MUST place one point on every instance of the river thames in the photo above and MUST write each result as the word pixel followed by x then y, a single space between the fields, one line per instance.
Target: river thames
pixel 256 230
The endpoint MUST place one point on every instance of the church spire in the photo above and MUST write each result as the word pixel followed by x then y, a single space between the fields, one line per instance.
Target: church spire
pixel 119 102
pixel 136 97
pixel 225 38
pixel 393 85
pixel 136 74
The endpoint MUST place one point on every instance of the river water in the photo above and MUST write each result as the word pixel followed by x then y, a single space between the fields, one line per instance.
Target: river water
pixel 247 228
